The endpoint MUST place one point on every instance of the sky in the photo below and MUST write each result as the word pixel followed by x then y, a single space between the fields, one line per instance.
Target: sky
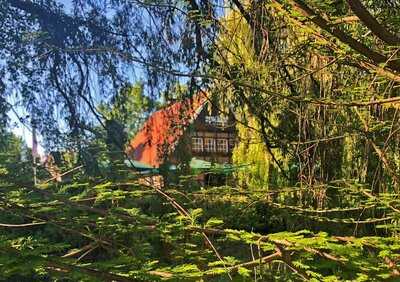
pixel 23 130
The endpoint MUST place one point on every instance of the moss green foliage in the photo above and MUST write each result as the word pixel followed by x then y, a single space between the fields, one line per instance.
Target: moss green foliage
pixel 125 231
pixel 251 151
pixel 100 230
pixel 298 90
pixel 314 91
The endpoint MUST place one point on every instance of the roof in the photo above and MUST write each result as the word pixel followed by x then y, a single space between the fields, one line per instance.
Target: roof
pixel 162 130
pixel 198 166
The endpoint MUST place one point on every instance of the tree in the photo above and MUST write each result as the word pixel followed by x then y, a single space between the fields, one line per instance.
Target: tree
pixel 315 96
pixel 129 107
pixel 315 86
pixel 60 61
pixel 15 159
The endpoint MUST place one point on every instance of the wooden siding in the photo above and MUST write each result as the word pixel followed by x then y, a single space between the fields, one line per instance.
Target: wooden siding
pixel 203 128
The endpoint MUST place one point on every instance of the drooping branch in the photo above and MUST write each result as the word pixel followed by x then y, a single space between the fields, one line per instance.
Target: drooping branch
pixel 243 12
pixel 58 25
pixel 370 21
pixel 356 45
pixel 194 8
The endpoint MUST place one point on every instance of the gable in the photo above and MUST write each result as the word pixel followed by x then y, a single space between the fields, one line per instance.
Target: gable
pixel 159 135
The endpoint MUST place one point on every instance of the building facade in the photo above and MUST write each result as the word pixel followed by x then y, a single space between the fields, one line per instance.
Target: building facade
pixel 212 136
pixel 192 128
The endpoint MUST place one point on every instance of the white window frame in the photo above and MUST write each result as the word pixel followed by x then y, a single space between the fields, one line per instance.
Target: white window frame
pixel 217 121
pixel 221 121
pixel 222 145
pixel 197 144
pixel 209 145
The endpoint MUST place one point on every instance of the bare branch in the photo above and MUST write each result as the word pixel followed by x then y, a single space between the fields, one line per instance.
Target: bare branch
pixel 22 225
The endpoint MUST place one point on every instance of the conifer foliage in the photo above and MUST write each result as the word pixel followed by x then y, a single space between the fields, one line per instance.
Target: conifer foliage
pixel 314 89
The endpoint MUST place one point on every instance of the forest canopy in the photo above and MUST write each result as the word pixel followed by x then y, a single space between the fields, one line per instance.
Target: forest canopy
pixel 313 87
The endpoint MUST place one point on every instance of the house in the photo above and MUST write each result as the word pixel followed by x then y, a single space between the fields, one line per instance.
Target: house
pixel 183 131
